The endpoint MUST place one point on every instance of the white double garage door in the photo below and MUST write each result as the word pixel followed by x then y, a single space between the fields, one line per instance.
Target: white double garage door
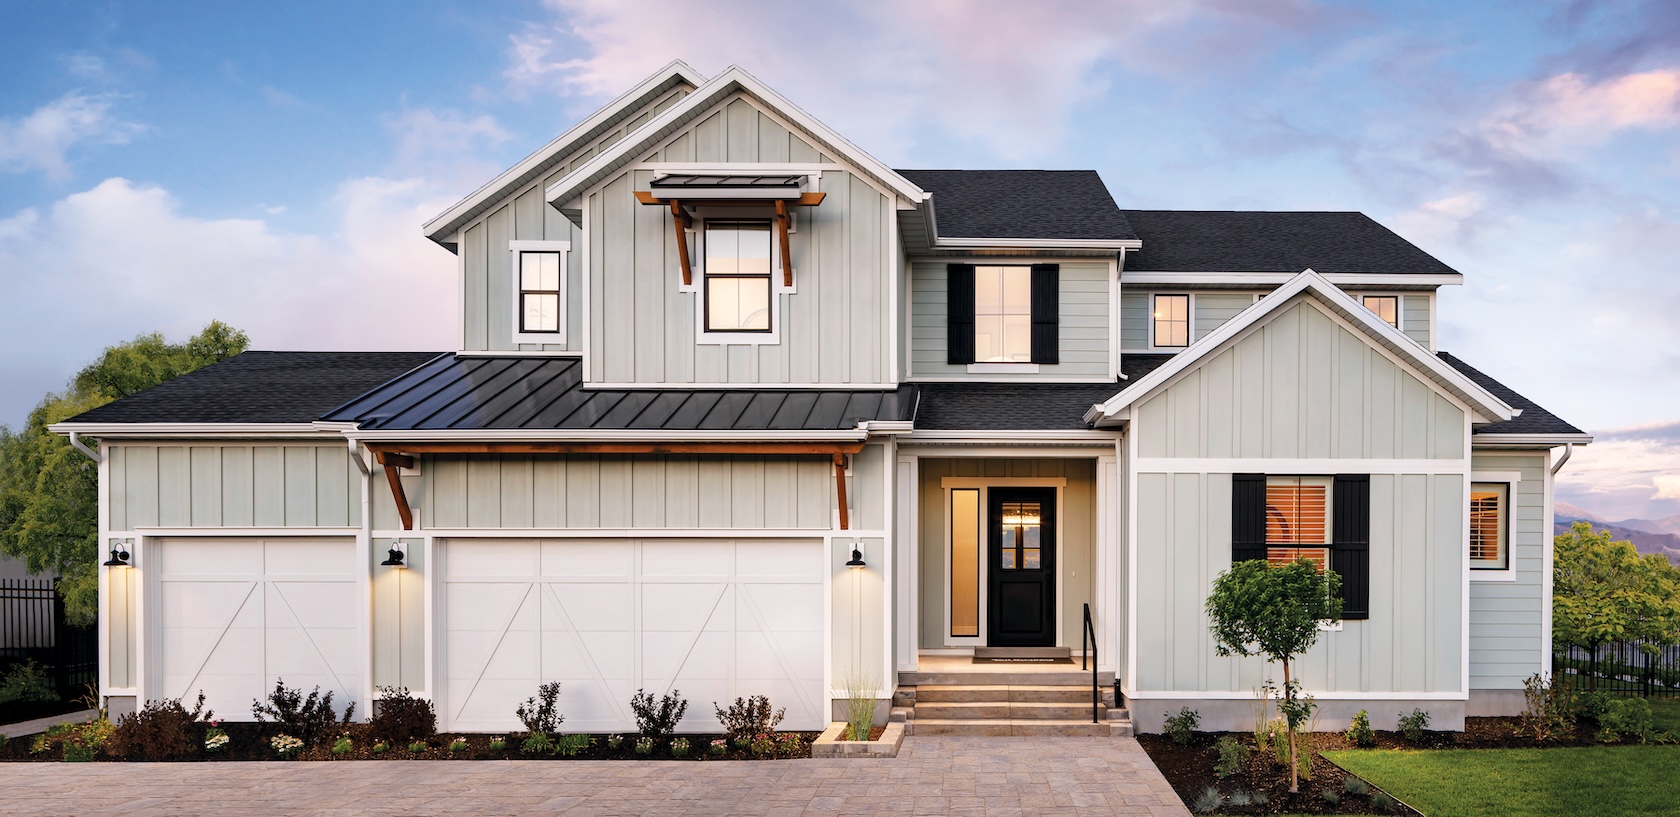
pixel 715 619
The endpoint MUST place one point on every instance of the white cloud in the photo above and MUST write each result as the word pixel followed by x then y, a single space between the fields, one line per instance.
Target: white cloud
pixel 41 140
pixel 1557 116
pixel 1668 486
pixel 1626 473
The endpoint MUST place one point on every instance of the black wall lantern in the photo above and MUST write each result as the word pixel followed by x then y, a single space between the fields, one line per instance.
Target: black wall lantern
pixel 394 557
pixel 857 559
pixel 119 554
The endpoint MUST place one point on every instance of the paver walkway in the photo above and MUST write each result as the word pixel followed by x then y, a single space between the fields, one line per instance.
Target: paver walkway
pixel 984 777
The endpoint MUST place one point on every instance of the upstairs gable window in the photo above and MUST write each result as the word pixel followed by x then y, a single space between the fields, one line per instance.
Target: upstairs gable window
pixel 539 287
pixel 1386 307
pixel 737 275
pixel 1002 315
pixel 1172 321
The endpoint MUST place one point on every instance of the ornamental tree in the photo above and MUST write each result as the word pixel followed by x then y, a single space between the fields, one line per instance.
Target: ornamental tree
pixel 1603 590
pixel 1274 612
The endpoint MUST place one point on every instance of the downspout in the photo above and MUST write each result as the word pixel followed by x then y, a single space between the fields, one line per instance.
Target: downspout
pixel 1568 448
pixel 76 441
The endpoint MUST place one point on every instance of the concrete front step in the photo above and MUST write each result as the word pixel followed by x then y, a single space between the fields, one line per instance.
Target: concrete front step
pixel 1007 677
pixel 977 710
pixel 948 693
pixel 1020 728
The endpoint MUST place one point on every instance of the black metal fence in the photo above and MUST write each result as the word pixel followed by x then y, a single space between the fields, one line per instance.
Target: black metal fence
pixel 1623 667
pixel 34 627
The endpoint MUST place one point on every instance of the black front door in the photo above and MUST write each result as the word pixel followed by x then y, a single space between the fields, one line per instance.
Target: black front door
pixel 1021 594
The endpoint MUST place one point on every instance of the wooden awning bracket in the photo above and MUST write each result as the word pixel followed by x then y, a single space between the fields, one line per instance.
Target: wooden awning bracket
pixel 682 222
pixel 782 219
pixel 394 461
pixel 840 490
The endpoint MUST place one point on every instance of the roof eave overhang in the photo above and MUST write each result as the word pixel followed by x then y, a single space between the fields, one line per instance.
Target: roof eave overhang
pixel 1241 279
pixel 1487 441
pixel 443 228
pixel 193 430
pixel 1483 404
pixel 1009 437
pixel 1110 244
pixel 710 93
pixel 520 435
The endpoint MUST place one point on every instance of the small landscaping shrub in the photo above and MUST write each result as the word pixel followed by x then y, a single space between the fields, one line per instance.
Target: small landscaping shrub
pixel 1331 796
pixel 572 745
pixel 343 746
pixel 402 717
pixel 1182 727
pixel 537 743
pixel 215 739
pixel 1208 801
pixel 790 744
pixel 1359 731
pixel 1382 802
pixel 644 746
pixel 763 745
pixel 162 730
pixel 679 747
pixel 75 742
pixel 615 741
pixel 1550 707
pixel 309 719
pixel 381 748
pixel 27 682
pixel 1241 798
pixel 1413 724
pixel 861 691
pixel 458 745
pixel 719 746
pixel 1232 755
pixel 1355 786
pixel 286 745
pixel 541 714
pixel 1277 736
pixel 658 717
pixel 4 740
pixel 748 716
pixel 419 747
pixel 1621 718
pixel 498 743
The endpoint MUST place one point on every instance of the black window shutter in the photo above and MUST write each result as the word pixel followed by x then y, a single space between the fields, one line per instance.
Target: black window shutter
pixel 1046 311
pixel 1350 555
pixel 959 314
pixel 1248 517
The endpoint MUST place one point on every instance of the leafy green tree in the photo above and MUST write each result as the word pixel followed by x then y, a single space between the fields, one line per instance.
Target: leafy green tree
pixel 49 490
pixel 1603 590
pixel 1256 609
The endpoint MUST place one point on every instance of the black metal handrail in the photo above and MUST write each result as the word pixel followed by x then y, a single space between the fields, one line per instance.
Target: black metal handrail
pixel 1088 649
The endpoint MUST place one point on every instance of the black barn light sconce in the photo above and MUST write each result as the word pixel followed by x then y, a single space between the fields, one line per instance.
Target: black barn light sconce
pixel 119 554
pixel 857 559
pixel 395 556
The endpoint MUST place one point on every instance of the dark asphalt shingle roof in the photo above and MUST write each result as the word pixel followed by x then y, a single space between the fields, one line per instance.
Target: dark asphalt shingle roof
pixel 1022 406
pixel 1069 204
pixel 1253 241
pixel 1533 420
pixel 547 393
pixel 260 387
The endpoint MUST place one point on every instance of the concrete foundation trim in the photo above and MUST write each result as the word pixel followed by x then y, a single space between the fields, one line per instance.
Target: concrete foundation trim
pixel 1494 703
pixel 829 743
pixel 1149 714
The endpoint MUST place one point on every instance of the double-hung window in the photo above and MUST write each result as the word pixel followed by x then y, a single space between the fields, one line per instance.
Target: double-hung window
pixel 1298 520
pixel 539 284
pixel 1002 315
pixel 1489 526
pixel 1172 321
pixel 737 275
pixel 1386 307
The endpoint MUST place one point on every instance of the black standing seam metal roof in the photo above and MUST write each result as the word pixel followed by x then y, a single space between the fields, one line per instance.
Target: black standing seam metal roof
pixel 1063 204
pixel 459 393
pixel 260 387
pixel 1257 241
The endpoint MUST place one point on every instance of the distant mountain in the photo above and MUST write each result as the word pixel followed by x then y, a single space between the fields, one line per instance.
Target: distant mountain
pixel 1564 509
pixel 1665 544
pixel 1669 525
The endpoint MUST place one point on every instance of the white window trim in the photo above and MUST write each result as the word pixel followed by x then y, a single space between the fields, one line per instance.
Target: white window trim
pixel 1508 573
pixel 947 484
pixel 1003 368
pixel 1189 317
pixel 697 272
pixel 1399 305
pixel 514 249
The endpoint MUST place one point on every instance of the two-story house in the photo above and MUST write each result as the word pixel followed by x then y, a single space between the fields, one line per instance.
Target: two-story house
pixel 736 409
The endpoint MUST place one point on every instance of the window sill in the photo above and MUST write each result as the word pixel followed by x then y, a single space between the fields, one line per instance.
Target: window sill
pixel 548 338
pixel 739 338
pixel 1003 368
pixel 1483 575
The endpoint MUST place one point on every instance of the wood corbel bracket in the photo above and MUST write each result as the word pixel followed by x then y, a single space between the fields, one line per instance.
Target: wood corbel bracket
pixel 840 490
pixel 682 221
pixel 392 462
pixel 782 220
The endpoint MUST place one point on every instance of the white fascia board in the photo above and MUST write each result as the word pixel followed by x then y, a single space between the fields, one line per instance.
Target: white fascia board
pixel 1307 281
pixel 526 435
pixel 1037 243
pixel 565 142
pixel 1006 437
pixel 1486 441
pixel 703 97
pixel 1421 280
pixel 135 430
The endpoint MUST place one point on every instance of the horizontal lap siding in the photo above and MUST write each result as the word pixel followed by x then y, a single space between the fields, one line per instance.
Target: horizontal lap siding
pixel 233 486
pixel 1301 387
pixel 1213 309
pixel 832 328
pixel 1411 643
pixel 1415 312
pixel 1505 617
pixel 1134 321
pixel 652 492
pixel 1084 325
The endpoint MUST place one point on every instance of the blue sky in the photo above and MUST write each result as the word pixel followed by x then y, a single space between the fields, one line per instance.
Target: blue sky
pixel 270 164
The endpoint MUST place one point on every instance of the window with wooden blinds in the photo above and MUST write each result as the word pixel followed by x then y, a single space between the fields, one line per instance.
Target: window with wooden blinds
pixel 1297 513
pixel 1488 549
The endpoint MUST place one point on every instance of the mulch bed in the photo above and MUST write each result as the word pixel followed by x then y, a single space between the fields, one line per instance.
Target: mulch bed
pixel 250 741
pixel 1190 768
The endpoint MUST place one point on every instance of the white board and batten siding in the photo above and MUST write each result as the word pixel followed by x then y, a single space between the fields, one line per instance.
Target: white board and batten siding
pixel 1301 388
pixel 228 485
pixel 1212 309
pixel 1084 326
pixel 486 264
pixel 833 328
pixel 1506 641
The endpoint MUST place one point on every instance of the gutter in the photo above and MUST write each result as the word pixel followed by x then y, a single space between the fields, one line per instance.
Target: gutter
pixel 76 441
pixel 1568 449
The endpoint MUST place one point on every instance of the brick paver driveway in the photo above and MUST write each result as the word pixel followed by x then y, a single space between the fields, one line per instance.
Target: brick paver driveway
pixel 931 775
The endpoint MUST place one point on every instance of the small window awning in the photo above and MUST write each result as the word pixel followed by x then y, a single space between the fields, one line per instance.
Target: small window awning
pixel 679 190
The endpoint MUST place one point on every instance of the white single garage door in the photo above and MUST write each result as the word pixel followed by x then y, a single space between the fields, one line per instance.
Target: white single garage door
pixel 230 616
pixel 715 619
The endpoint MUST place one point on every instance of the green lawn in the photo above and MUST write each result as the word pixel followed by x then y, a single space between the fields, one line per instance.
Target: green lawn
pixel 1666 714
pixel 1609 780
